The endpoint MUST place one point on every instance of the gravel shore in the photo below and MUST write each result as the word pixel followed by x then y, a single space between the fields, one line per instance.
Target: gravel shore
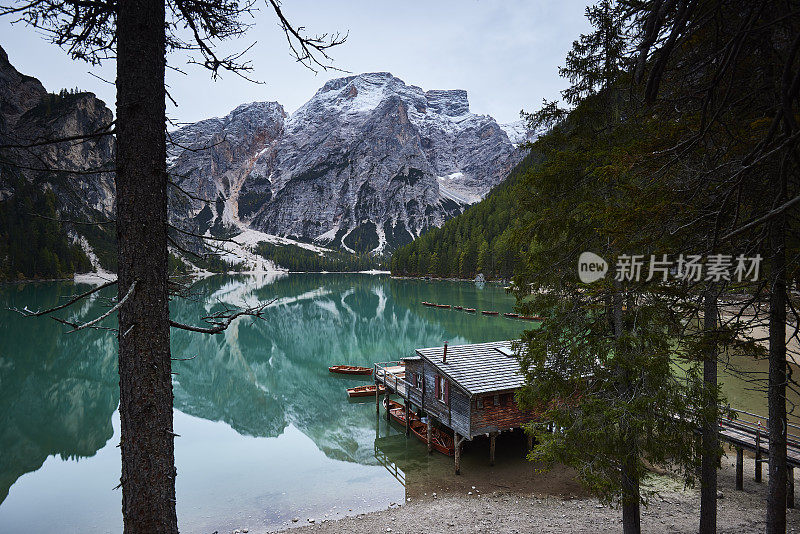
pixel 674 509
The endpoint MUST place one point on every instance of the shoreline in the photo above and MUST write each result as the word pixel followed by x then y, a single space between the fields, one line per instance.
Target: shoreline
pixel 673 508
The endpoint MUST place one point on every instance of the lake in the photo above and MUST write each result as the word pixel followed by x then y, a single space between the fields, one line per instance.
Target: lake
pixel 267 434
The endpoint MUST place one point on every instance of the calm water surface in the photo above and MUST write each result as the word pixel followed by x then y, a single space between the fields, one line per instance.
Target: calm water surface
pixel 267 433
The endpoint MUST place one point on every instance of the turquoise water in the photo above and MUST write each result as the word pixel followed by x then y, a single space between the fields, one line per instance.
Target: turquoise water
pixel 266 432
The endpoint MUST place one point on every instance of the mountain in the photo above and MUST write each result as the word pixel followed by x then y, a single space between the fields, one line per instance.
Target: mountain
pixel 480 240
pixel 368 164
pixel 42 181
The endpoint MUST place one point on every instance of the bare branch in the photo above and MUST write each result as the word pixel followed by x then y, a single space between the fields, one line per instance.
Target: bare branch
pixel 25 312
pixel 109 312
pixel 222 320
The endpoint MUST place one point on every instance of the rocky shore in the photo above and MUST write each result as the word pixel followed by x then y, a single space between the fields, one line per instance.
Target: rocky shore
pixel 673 509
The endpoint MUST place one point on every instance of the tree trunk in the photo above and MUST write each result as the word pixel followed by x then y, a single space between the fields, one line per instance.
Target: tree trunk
pixel 630 496
pixel 148 459
pixel 630 476
pixel 776 497
pixel 710 435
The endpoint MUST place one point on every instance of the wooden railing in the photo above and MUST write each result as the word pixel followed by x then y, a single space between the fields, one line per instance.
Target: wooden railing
pixel 390 379
pixel 754 425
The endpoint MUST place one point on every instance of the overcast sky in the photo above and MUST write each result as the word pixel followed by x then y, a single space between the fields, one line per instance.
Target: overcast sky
pixel 505 53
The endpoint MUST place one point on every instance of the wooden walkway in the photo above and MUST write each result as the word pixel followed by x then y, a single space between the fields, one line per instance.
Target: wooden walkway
pixel 747 433
pixel 753 437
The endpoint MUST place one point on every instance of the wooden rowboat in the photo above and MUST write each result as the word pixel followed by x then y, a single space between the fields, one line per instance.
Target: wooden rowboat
pixel 442 305
pixel 458 307
pixel 513 315
pixel 532 317
pixel 398 412
pixel 440 440
pixel 350 370
pixel 424 303
pixel 469 310
pixel 490 312
pixel 365 391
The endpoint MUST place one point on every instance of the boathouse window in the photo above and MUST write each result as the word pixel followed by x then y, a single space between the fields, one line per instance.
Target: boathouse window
pixel 479 403
pixel 412 379
pixel 497 400
pixel 442 389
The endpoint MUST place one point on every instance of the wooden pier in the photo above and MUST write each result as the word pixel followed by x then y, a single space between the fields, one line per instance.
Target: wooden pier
pixel 746 433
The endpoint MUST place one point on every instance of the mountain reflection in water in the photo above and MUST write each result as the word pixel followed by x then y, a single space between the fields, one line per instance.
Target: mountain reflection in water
pixel 264 378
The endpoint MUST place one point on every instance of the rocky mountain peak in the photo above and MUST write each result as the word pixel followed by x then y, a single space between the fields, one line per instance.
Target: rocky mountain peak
pixel 18 93
pixel 367 164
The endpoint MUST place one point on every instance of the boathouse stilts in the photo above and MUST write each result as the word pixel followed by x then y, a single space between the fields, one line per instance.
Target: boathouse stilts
pixel 430 434
pixel 739 468
pixel 387 404
pixel 492 444
pixel 758 454
pixel 377 397
pixel 758 465
pixel 457 453
pixel 408 427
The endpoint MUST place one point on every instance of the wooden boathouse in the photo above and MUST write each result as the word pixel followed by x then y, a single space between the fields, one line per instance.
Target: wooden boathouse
pixel 468 389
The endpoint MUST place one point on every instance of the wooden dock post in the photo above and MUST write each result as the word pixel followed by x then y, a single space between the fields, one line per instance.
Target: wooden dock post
pixel 387 403
pixel 492 440
pixel 377 397
pixel 739 468
pixel 758 455
pixel 457 456
pixel 408 426
pixel 430 434
pixel 790 488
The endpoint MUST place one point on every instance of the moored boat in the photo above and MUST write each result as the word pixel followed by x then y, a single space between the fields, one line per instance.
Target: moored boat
pixel 458 307
pixel 440 440
pixel 350 370
pixel 470 310
pixel 513 315
pixel 532 317
pixel 485 312
pixel 442 305
pixel 365 391
pixel 425 303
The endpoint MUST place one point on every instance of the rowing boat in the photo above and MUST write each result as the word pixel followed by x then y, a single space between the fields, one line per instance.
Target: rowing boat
pixel 470 310
pixel 513 315
pixel 365 391
pixel 350 370
pixel 440 440
pixel 489 312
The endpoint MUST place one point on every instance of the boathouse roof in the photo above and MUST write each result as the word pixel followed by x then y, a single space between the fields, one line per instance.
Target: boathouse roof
pixel 478 368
